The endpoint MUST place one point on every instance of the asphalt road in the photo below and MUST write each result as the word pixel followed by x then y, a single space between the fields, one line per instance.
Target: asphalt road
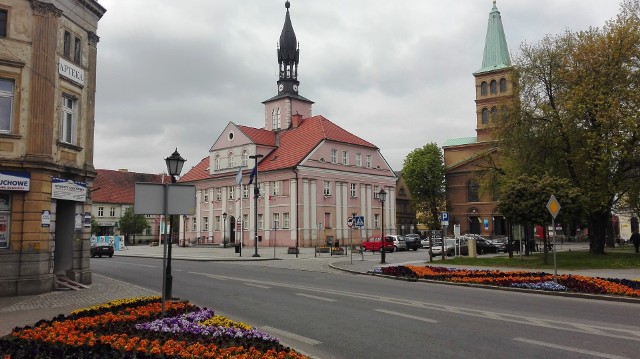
pixel 338 315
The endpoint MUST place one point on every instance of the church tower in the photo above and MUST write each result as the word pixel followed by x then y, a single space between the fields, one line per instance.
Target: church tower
pixel 494 80
pixel 280 108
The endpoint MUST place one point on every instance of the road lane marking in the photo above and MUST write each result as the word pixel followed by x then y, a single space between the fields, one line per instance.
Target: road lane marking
pixel 283 333
pixel 316 297
pixel 257 285
pixel 571 349
pixel 213 276
pixel 134 264
pixel 406 316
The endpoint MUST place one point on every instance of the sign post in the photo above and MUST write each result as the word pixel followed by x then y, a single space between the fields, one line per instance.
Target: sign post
pixel 444 221
pixel 554 207
pixel 350 225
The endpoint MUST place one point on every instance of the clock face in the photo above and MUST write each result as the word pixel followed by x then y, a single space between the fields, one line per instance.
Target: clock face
pixel 295 88
pixel 280 87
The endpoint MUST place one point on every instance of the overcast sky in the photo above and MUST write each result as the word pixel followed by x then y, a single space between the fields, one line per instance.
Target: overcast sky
pixel 395 73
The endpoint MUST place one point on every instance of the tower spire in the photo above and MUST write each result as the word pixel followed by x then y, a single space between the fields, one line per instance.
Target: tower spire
pixel 288 56
pixel 496 53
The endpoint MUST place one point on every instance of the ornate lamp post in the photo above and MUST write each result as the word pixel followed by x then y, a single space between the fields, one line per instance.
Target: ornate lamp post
pixel 174 167
pixel 224 230
pixel 382 195
pixel 256 194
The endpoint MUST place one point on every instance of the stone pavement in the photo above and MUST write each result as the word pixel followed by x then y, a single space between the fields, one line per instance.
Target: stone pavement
pixel 26 310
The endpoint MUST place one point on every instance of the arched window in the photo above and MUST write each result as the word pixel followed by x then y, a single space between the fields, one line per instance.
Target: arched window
pixel 503 85
pixel 230 160
pixel 245 158
pixel 473 191
pixel 494 114
pixel 483 88
pixel 485 116
pixel 273 119
pixel 494 86
pixel 278 116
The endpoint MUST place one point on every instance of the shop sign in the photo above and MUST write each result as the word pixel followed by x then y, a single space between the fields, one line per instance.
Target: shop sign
pixel 15 181
pixel 68 190
pixel 71 71
pixel 46 218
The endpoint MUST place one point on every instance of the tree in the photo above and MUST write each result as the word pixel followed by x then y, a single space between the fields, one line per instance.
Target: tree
pixel 133 223
pixel 423 171
pixel 94 225
pixel 576 114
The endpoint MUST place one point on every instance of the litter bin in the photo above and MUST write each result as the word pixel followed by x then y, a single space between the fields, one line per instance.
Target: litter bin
pixel 237 249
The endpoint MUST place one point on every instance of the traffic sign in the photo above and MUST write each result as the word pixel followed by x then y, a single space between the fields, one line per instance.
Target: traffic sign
pixel 444 218
pixel 350 222
pixel 359 221
pixel 553 206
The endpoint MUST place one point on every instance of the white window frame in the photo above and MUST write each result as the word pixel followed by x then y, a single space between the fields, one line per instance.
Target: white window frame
pixel 276 220
pixel 219 194
pixel 231 190
pixel 68 119
pixel 334 155
pixel 112 212
pixel 273 119
pixel 367 160
pixel 275 188
pixel 205 223
pixel 376 192
pixel 230 161
pixel 354 190
pixel 194 223
pixel 285 220
pixel 245 158
pixel 245 222
pixel 245 191
pixel 376 221
pixel 326 188
pixel 7 96
pixel 260 221
pixel 100 211
pixel 345 158
pixel 358 160
pixel 216 162
pixel 205 196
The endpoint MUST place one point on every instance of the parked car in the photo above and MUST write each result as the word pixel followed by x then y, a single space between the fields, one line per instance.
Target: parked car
pixel 500 243
pixel 412 243
pixel 100 249
pixel 374 244
pixel 449 247
pixel 484 246
pixel 399 243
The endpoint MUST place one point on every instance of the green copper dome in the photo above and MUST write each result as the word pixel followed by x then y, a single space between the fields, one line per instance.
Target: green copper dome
pixel 496 52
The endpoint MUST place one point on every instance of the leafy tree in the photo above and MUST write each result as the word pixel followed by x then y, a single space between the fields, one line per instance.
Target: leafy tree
pixel 423 171
pixel 132 224
pixel 94 225
pixel 576 114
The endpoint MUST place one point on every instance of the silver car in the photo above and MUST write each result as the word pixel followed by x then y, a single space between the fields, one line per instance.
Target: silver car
pixel 398 243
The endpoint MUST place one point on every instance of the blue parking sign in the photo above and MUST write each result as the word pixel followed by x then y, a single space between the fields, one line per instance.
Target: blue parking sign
pixel 444 218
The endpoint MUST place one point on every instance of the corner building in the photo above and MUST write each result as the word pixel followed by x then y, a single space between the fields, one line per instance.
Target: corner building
pixel 48 55
pixel 466 158
pixel 313 175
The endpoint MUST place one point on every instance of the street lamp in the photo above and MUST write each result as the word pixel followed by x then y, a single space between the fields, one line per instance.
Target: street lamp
pixel 174 167
pixel 256 194
pixel 382 195
pixel 224 230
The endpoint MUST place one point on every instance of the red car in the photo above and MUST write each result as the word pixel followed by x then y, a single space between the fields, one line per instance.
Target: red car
pixel 374 244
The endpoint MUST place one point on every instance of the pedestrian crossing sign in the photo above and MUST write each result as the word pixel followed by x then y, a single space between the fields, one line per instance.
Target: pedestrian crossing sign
pixel 358 221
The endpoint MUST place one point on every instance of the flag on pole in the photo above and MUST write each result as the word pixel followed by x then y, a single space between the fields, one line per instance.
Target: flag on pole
pixel 253 174
pixel 239 176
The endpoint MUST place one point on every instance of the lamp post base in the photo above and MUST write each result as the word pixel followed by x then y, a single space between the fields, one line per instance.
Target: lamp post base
pixel 256 255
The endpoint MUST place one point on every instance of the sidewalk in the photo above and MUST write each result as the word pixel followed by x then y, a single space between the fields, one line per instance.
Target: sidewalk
pixel 27 310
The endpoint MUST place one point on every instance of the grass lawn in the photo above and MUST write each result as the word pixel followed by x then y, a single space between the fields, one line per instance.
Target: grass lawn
pixel 616 258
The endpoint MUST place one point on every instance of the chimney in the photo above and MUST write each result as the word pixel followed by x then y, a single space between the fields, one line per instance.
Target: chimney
pixel 296 120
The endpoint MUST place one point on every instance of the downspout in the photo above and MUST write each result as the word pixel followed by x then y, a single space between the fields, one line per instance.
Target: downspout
pixel 295 170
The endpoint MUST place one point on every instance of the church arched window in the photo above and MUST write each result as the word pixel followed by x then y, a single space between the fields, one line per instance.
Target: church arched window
pixel 485 116
pixel 483 88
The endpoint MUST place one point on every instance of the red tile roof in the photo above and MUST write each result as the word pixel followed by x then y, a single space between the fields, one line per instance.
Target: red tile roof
pixel 295 145
pixel 112 186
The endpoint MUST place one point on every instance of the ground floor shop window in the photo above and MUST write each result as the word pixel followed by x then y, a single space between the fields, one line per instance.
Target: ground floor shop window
pixel 5 218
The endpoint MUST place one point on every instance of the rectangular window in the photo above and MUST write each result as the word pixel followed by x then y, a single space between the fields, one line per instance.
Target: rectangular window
pixel 376 221
pixel 245 159
pixel 358 160
pixel 69 118
pixel 260 221
pixel 205 223
pixel 112 212
pixel 276 220
pixel 376 192
pixel 195 224
pixel 327 220
pixel 232 192
pixel 76 50
pixel 205 196
pixel 326 188
pixel 3 22
pixel 368 161
pixel 275 188
pixel 218 194
pixel 100 211
pixel 345 158
pixel 285 220
pixel 5 219
pixel 216 163
pixel 353 189
pixel 230 161
pixel 262 190
pixel 67 44
pixel 6 104
pixel 245 191
pixel 245 222
pixel 334 156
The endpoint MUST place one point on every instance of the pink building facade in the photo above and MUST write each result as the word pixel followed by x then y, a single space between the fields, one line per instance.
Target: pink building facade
pixel 312 176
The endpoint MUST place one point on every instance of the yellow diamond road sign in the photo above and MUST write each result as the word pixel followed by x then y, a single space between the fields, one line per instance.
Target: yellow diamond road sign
pixel 553 206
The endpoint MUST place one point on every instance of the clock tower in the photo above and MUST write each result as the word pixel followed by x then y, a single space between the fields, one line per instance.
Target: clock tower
pixel 279 109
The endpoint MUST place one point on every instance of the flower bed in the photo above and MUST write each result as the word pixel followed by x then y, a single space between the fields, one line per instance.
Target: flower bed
pixel 135 328
pixel 519 279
